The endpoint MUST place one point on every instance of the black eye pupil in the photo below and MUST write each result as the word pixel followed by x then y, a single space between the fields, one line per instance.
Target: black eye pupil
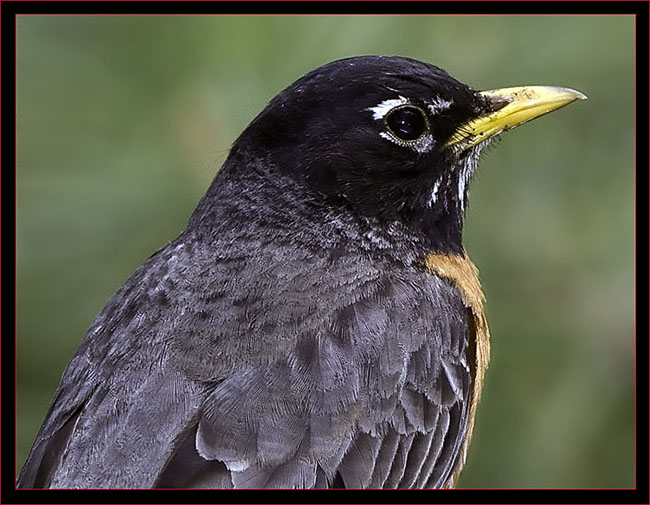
pixel 406 123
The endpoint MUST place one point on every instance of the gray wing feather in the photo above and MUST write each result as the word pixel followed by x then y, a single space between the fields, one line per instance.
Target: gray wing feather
pixel 122 446
pixel 397 469
pixel 357 467
pixel 417 457
pixel 385 459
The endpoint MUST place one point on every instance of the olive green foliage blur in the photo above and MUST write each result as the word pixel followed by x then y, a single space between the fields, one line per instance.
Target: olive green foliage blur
pixel 124 120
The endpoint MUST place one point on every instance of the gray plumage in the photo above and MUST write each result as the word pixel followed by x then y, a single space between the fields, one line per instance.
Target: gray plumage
pixel 274 370
pixel 280 341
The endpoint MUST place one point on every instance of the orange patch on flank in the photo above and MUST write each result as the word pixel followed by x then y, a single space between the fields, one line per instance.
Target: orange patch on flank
pixel 464 274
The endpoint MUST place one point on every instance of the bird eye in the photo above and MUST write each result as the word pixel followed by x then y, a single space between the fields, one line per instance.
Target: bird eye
pixel 407 123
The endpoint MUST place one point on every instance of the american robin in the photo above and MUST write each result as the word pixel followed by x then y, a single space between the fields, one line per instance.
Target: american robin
pixel 318 323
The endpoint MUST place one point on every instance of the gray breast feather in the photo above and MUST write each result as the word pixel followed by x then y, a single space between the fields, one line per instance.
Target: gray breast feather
pixel 277 380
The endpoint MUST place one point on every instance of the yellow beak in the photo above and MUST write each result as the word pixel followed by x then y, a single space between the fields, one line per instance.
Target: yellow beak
pixel 510 108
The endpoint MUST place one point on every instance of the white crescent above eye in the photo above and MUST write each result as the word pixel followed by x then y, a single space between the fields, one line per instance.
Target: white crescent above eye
pixel 379 111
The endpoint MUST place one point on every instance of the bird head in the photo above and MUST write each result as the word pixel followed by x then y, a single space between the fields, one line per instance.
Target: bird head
pixel 391 138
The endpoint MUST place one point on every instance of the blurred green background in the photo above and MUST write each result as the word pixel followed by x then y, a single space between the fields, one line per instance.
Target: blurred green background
pixel 124 120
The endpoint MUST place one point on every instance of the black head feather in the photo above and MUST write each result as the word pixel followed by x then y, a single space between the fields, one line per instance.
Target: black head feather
pixel 332 134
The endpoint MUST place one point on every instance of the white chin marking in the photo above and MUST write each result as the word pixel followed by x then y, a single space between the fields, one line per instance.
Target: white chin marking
pixel 380 110
pixel 465 173
pixel 434 194
pixel 462 182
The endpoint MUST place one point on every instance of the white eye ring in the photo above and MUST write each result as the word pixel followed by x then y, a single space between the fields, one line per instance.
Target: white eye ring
pixel 423 144
pixel 397 123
